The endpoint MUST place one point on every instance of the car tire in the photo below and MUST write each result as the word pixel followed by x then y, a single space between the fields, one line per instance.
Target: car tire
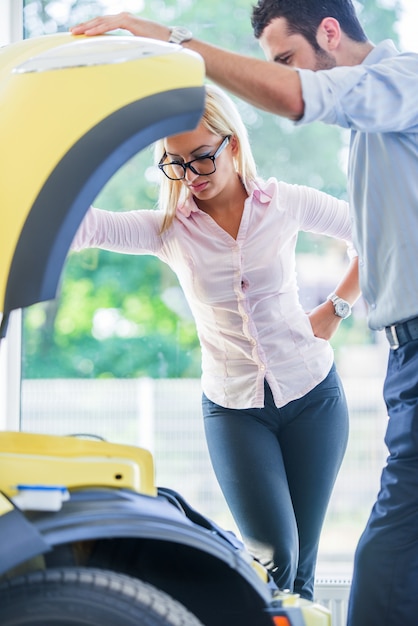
pixel 87 597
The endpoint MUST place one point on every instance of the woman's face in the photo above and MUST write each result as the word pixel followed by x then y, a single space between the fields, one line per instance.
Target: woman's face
pixel 198 143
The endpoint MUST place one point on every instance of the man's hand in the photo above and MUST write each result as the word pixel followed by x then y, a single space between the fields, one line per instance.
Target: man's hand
pixel 125 21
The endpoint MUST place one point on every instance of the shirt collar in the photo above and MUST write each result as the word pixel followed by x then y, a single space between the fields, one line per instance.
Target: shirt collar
pixel 385 49
pixel 261 190
pixel 258 189
pixel 187 207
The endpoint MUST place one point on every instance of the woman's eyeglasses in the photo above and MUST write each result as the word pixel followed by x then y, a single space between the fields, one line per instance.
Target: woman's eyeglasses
pixel 202 166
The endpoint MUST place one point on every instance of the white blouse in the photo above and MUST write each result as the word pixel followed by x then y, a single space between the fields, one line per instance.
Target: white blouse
pixel 243 293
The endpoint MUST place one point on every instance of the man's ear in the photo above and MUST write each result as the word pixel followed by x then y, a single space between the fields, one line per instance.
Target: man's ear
pixel 328 34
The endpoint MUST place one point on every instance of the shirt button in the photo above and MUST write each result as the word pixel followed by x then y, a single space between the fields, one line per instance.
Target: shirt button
pixel 262 368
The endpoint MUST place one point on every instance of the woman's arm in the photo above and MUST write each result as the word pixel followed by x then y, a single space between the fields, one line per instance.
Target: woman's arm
pixel 323 319
pixel 130 232
pixel 321 213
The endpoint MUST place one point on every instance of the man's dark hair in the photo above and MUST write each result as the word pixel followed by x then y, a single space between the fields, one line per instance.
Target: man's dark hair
pixel 304 17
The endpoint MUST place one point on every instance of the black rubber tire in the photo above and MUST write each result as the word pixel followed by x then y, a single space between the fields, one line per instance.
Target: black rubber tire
pixel 87 597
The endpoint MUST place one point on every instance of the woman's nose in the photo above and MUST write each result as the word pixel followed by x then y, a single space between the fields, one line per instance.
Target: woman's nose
pixel 189 174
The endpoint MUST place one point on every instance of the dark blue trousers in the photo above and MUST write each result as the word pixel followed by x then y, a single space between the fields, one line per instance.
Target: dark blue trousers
pixel 385 580
pixel 276 468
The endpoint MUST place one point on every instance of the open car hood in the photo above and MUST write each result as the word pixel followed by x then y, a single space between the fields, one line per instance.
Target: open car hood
pixel 73 111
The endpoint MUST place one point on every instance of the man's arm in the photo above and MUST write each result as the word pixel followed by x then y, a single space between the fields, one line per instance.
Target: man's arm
pixel 266 85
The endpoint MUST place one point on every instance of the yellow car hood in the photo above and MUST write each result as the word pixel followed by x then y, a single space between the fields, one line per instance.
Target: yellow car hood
pixel 73 111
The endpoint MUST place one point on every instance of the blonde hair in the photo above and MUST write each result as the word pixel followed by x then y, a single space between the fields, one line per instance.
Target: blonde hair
pixel 220 117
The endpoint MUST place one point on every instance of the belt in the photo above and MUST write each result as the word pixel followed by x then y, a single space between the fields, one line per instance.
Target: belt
pixel 401 333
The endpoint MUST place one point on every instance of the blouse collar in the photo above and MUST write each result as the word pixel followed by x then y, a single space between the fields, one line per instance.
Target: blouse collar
pixel 257 189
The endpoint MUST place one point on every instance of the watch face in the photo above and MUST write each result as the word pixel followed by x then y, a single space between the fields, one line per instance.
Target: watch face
pixel 180 34
pixel 342 309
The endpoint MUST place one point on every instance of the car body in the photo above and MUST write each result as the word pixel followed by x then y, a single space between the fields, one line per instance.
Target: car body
pixel 87 537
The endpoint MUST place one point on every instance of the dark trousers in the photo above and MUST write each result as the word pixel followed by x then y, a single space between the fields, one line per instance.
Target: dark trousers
pixel 276 468
pixel 385 580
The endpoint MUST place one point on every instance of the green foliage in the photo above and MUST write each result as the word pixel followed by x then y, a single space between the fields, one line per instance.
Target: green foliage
pixel 379 18
pixel 112 317
pixel 110 320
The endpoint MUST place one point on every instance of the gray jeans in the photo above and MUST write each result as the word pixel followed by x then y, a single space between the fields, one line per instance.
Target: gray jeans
pixel 277 468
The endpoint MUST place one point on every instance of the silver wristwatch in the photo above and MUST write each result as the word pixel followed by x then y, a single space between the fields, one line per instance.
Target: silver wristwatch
pixel 179 34
pixel 342 308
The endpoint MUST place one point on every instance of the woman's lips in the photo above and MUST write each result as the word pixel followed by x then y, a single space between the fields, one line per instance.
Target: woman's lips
pixel 198 187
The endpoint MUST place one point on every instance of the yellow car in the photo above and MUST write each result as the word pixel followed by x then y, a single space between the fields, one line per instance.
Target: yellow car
pixel 86 536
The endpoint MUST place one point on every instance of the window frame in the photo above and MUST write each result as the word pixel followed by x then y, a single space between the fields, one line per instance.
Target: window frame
pixel 11 30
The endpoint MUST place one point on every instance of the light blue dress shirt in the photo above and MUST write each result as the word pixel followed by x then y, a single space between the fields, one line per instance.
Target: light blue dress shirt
pixel 378 102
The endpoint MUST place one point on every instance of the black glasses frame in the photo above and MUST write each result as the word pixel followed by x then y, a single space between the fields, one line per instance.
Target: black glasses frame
pixel 189 165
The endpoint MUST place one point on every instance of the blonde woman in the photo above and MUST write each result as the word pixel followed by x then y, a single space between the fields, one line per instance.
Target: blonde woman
pixel 275 413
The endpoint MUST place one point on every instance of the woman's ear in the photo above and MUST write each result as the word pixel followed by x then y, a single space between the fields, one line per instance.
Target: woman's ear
pixel 233 142
pixel 328 34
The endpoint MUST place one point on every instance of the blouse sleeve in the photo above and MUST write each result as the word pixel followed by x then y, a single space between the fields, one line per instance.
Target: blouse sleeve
pixel 130 232
pixel 318 212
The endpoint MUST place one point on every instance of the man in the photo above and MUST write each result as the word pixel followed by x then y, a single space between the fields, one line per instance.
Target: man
pixel 372 91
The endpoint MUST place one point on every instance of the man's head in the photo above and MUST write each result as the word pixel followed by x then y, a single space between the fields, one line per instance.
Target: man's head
pixel 305 33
